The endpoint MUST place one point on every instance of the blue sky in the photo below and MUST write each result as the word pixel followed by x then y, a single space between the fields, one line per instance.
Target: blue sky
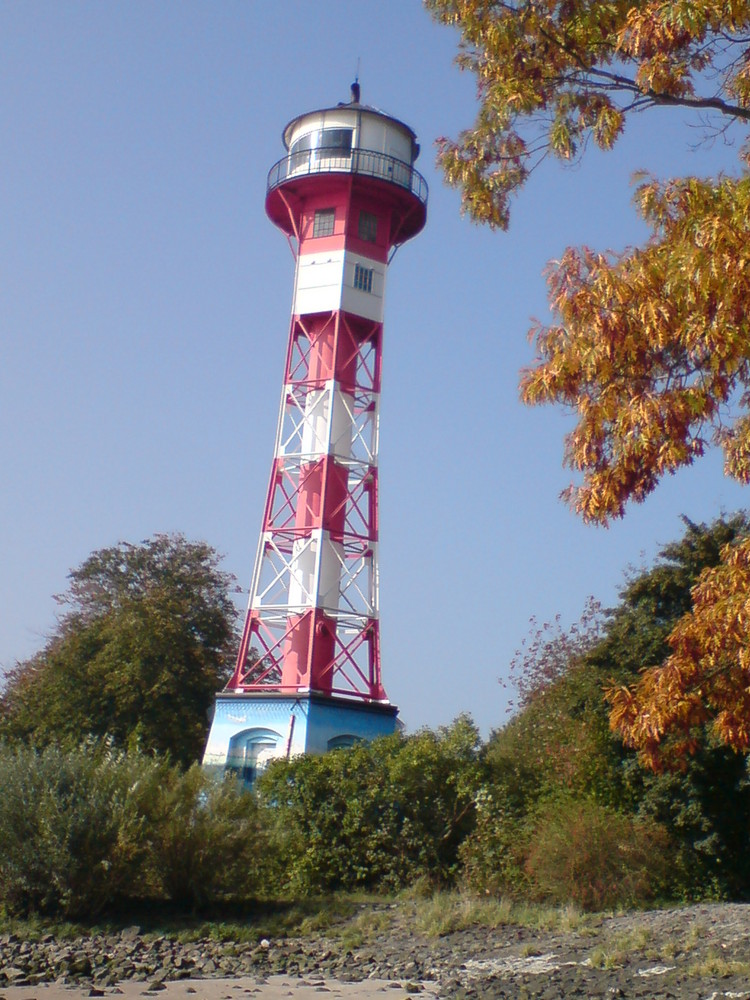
pixel 145 305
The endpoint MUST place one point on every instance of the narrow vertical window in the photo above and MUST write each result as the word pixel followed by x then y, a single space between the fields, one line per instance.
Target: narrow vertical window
pixel 368 226
pixel 363 278
pixel 323 222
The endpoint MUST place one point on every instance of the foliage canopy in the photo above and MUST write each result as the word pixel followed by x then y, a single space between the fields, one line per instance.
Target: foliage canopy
pixel 705 679
pixel 139 652
pixel 561 744
pixel 650 348
pixel 553 76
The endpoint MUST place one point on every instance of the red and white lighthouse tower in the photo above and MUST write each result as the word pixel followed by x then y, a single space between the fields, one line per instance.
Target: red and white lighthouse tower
pixel 308 671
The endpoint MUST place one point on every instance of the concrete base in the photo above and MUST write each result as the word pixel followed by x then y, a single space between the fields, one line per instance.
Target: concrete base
pixel 248 730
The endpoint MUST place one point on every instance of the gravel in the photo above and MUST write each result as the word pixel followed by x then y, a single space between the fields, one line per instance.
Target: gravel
pixel 697 952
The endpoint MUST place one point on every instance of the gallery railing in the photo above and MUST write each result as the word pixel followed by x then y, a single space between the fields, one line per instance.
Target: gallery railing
pixel 359 161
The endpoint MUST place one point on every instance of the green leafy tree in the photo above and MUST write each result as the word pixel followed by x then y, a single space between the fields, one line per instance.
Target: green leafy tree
pixel 560 742
pixel 559 739
pixel 140 649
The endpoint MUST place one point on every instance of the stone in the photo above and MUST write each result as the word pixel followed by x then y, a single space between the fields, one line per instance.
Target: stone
pixel 13 974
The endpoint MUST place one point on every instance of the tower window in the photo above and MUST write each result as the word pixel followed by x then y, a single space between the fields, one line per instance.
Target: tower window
pixel 327 142
pixel 363 278
pixel 323 222
pixel 335 141
pixel 368 226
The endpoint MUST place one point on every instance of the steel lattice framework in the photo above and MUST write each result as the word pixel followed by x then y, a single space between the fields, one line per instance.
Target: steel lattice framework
pixel 312 623
pixel 326 447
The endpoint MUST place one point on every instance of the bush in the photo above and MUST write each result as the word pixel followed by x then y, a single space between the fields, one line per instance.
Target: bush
pixel 72 827
pixel 377 815
pixel 564 850
pixel 493 856
pixel 592 855
pixel 80 829
pixel 205 840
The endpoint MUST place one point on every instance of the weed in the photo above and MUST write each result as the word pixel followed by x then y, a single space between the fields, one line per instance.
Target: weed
pixel 695 935
pixel 670 949
pixel 604 958
pixel 530 950
pixel 715 964
pixel 351 939
pixel 572 919
pixel 614 952
pixel 541 917
pixel 365 927
pixel 447 912
pixel 634 940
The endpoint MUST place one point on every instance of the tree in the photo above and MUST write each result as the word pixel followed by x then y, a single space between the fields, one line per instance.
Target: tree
pixel 560 744
pixel 705 678
pixel 651 347
pixel 140 649
pixel 688 794
pixel 559 739
pixel 554 75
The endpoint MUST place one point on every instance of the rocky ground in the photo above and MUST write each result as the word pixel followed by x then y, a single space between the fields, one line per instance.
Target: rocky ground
pixel 695 953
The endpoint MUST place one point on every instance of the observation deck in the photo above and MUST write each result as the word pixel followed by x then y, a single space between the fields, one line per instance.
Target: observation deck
pixel 387 178
pixel 367 162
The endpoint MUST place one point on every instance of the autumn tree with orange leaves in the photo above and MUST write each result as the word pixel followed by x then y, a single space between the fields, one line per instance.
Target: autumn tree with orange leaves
pixel 650 348
pixel 705 679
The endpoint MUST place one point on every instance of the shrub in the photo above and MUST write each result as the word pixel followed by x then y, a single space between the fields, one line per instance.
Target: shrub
pixel 378 815
pixel 205 839
pixel 585 853
pixel 72 827
pixel 81 828
pixel 493 856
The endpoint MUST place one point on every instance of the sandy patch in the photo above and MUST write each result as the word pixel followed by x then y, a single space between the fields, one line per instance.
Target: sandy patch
pixel 247 988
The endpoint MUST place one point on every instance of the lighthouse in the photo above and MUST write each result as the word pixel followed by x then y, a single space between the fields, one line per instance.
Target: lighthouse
pixel 308 675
